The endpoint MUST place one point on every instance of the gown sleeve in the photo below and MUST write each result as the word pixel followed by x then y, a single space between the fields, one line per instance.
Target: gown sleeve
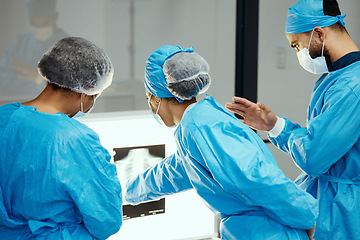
pixel 92 183
pixel 327 137
pixel 165 178
pixel 240 166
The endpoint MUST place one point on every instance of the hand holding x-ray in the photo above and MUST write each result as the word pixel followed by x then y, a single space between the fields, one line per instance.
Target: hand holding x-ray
pixel 256 115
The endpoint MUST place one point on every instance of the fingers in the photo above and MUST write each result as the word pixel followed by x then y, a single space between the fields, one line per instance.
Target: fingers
pixel 241 104
pixel 243 101
pixel 237 111
pixel 235 107
pixel 264 108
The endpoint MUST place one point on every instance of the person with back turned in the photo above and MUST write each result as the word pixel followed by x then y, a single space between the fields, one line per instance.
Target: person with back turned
pixel 234 173
pixel 56 179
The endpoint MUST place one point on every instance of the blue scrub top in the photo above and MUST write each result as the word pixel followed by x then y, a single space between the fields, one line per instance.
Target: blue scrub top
pixel 234 172
pixel 328 149
pixel 56 181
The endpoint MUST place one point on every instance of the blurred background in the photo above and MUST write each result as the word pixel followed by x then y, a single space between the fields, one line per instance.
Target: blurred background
pixel 243 41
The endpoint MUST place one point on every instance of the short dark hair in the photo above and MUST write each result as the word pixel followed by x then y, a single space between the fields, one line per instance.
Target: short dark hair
pixel 331 8
pixel 57 87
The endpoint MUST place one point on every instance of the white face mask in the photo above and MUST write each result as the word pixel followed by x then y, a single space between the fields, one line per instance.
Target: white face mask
pixel 314 65
pixel 156 115
pixel 42 33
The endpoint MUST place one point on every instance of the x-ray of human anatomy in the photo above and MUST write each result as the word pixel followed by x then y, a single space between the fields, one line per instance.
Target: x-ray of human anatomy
pixel 131 161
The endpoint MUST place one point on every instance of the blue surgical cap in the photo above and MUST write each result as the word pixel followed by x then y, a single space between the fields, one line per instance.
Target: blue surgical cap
pixel 155 81
pixel 305 15
pixel 41 7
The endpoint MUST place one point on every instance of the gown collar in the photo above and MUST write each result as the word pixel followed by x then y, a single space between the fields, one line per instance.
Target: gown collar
pixel 345 61
pixel 187 109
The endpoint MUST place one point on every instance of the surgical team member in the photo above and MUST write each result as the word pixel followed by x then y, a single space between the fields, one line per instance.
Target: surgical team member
pixel 56 181
pixel 328 148
pixel 227 164
pixel 19 77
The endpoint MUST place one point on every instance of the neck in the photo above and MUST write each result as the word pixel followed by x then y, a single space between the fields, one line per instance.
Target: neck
pixel 54 101
pixel 340 45
pixel 179 109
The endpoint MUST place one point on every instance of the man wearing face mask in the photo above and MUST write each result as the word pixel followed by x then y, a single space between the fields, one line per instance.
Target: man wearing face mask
pixel 19 78
pixel 328 148
pixel 56 179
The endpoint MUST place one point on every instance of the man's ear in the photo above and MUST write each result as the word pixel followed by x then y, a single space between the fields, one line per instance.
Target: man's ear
pixel 157 100
pixel 319 33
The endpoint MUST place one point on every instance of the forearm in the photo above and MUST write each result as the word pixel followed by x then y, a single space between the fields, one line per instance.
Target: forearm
pixel 318 146
pixel 300 144
pixel 165 178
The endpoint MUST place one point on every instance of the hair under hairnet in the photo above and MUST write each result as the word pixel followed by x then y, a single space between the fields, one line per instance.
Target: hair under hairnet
pixel 187 75
pixel 77 64
pixel 171 86
pixel 305 15
pixel 41 7
pixel 155 81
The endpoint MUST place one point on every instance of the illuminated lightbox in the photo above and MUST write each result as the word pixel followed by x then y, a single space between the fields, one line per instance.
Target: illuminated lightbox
pixel 136 141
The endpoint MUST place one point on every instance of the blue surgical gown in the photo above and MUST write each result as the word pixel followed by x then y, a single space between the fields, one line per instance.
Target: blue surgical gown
pixel 26 48
pixel 56 181
pixel 328 150
pixel 234 172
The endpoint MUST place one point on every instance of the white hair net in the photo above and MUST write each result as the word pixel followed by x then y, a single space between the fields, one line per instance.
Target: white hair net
pixel 77 64
pixel 187 75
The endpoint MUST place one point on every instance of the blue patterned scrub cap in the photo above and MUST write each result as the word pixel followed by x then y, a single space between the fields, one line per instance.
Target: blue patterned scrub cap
pixel 305 15
pixel 154 79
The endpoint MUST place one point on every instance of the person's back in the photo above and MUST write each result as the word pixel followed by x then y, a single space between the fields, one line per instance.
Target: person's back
pixel 245 184
pixel 56 179
pixel 44 187
pixel 226 163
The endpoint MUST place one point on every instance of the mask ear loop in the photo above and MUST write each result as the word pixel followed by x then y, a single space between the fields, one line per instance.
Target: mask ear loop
pixel 311 39
pixel 149 101
pixel 157 110
pixel 81 105
pixel 323 48
pixel 94 100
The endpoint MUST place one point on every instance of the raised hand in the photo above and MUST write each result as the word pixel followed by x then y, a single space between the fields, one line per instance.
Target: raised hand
pixel 256 115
